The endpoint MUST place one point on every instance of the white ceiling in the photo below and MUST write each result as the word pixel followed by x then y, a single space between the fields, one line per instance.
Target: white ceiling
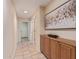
pixel 28 5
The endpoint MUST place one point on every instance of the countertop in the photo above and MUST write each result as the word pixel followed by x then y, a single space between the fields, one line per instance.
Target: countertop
pixel 63 40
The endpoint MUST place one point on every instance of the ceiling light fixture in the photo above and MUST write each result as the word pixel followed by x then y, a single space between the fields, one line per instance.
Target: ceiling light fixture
pixel 25 12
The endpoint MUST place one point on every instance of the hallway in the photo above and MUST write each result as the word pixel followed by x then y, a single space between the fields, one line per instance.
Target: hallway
pixel 28 20
pixel 26 50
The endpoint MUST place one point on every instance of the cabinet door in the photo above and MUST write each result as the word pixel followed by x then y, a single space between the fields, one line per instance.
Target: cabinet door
pixel 73 52
pixel 55 49
pixel 47 47
pixel 67 51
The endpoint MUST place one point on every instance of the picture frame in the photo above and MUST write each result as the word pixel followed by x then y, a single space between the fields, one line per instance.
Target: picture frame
pixel 62 17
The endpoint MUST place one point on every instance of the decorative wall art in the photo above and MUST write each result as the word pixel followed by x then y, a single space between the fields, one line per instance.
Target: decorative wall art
pixel 62 17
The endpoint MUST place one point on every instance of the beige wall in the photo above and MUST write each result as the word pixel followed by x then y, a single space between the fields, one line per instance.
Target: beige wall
pixel 37 29
pixel 9 30
pixel 53 4
pixel 42 21
pixel 69 34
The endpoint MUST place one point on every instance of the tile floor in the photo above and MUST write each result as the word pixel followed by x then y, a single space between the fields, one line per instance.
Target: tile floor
pixel 28 51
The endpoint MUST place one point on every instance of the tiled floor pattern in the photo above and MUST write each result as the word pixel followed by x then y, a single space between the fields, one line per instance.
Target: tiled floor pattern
pixel 28 51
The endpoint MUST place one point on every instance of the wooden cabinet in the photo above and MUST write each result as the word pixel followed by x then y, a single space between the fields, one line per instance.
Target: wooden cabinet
pixel 57 48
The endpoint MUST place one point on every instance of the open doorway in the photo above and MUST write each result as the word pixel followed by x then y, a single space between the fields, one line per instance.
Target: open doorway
pixel 26 31
pixel 23 29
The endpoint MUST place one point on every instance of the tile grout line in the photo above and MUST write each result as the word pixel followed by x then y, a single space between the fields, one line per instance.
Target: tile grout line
pixel 25 55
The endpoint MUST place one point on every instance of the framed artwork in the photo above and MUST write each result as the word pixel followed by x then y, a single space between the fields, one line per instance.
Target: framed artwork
pixel 63 17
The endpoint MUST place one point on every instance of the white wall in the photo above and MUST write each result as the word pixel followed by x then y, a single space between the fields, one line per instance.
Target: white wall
pixel 9 30
pixel 69 34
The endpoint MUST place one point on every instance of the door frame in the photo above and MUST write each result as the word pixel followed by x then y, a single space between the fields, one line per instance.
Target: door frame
pixel 31 35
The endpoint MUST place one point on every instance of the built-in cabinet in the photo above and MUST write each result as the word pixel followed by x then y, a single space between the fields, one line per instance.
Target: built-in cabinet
pixel 57 49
